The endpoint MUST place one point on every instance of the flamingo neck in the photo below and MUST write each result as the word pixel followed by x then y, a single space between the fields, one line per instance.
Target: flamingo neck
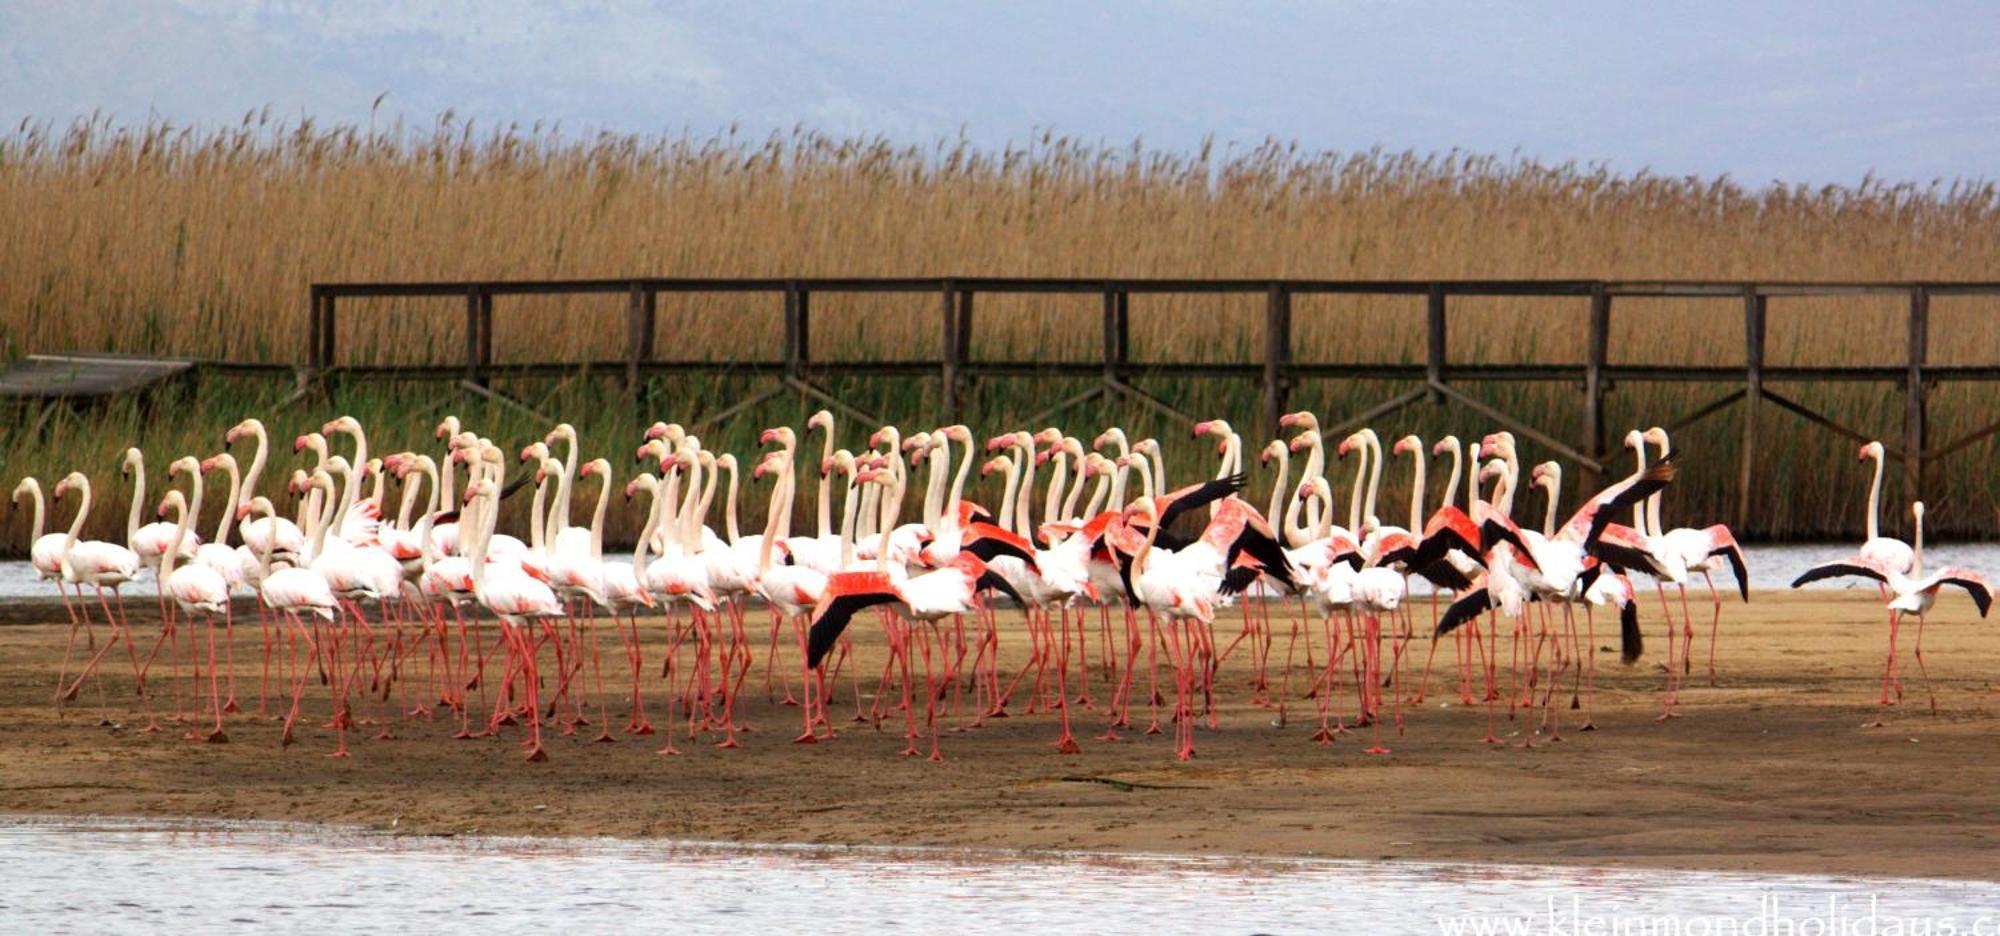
pixel 1278 495
pixel 958 481
pixel 1917 548
pixel 597 519
pixel 1318 515
pixel 1554 487
pixel 1360 485
pixel 652 525
pixel 1097 495
pixel 847 526
pixel 36 532
pixel 1639 509
pixel 256 472
pixel 773 517
pixel 138 498
pixel 1457 466
pixel 1024 521
pixel 1875 499
pixel 1052 502
pixel 174 545
pixel 565 487
pixel 1007 497
pixel 76 525
pixel 537 526
pixel 1417 495
pixel 729 507
pixel 826 487
pixel 1075 493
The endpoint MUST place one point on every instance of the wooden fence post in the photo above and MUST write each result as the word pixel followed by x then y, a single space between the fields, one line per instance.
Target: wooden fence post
pixel 472 337
pixel 638 332
pixel 1434 318
pixel 1754 310
pixel 1593 382
pixel 1277 353
pixel 1915 413
pixel 950 351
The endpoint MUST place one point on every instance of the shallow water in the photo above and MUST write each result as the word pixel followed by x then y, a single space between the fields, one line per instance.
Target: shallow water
pixel 145 876
pixel 1770 567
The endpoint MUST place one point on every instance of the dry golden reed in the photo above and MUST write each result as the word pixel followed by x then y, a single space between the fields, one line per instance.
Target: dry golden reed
pixel 162 239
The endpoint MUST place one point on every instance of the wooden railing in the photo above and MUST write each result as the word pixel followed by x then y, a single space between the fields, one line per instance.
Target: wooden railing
pixel 1278 372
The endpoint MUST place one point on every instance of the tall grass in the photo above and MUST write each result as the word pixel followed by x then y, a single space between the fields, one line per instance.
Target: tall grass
pixel 161 239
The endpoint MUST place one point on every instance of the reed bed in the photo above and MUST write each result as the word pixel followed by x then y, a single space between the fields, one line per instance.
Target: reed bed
pixel 163 239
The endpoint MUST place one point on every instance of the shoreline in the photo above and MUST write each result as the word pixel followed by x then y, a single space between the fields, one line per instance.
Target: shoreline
pixel 1773 772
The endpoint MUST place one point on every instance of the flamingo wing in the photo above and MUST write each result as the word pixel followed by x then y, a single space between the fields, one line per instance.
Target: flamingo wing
pixel 1175 503
pixel 1590 520
pixel 1840 568
pixel 1973 583
pixel 1722 543
pixel 845 594
pixel 1469 608
pixel 988 541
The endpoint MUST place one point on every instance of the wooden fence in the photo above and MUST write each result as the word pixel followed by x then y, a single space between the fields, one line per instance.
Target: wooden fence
pixel 1438 377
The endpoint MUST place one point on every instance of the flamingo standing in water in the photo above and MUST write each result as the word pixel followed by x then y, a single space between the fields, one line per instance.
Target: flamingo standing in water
pixel 1910 593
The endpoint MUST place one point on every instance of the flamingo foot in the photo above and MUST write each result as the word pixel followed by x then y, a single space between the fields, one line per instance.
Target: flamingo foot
pixel 536 754
pixel 911 751
pixel 1489 738
pixel 1376 749
pixel 807 738
pixel 728 743
pixel 218 736
pixel 1153 728
pixel 604 736
pixel 1109 735
pixel 1067 745
pixel 1588 726
pixel 231 706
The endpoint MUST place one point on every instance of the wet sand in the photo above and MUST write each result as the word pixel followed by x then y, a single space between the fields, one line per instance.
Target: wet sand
pixel 1782 767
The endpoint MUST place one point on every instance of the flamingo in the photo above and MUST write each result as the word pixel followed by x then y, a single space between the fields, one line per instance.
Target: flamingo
pixel 1700 551
pixel 515 597
pixel 100 565
pixel 270 533
pixel 45 556
pixel 195 587
pixel 292 591
pixel 1886 551
pixel 1911 592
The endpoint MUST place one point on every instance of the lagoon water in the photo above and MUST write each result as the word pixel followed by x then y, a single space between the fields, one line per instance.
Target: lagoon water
pixel 111 876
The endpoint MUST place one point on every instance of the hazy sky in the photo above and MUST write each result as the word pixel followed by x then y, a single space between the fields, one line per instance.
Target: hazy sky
pixel 1801 90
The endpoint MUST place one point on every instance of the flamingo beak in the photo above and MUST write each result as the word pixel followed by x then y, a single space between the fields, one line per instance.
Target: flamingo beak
pixel 767 437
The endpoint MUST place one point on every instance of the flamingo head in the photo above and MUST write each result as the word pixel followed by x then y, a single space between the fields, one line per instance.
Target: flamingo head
pixel 1049 436
pixel 535 451
pixel 74 479
pixel 133 459
pixel 1871 450
pixel 1304 419
pixel 595 466
pixel 996 463
pixel 239 430
pixel 1314 487
pixel 823 421
pixel 173 499
pixel 446 428
pixel 1407 445
pixel 1305 440
pixel 1216 426
pixel 1341 450
pixel 957 432
pixel 771 463
pixel 783 435
pixel 1111 436
pixel 221 461
pixel 999 442
pixel 183 463
pixel 1446 444
pixel 653 450
pixel 882 436
pixel 1657 436
pixel 347 424
pixel 561 431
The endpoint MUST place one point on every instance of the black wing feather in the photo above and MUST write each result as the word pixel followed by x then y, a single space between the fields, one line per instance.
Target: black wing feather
pixel 830 621
pixel 1207 493
pixel 1468 608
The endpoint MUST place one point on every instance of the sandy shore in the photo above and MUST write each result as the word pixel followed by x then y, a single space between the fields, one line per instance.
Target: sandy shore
pixel 1782 767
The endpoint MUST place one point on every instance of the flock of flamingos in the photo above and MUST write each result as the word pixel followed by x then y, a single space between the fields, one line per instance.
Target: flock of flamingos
pixel 383 610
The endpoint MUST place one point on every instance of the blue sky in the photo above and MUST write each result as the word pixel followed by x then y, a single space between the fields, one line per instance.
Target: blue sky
pixel 1797 91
